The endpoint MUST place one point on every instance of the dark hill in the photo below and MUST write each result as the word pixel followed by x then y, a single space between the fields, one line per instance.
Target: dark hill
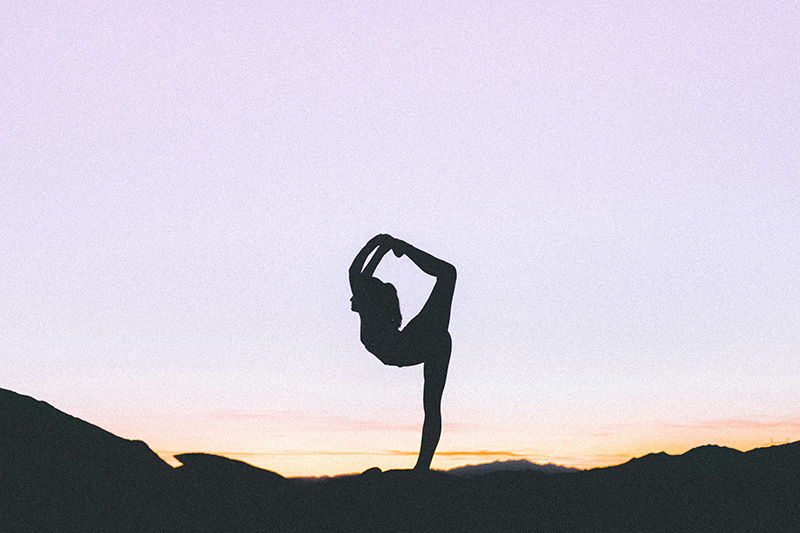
pixel 233 494
pixel 57 470
pixel 59 473
pixel 702 461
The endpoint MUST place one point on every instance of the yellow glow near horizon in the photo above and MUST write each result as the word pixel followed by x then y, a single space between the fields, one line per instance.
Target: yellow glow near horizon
pixel 336 463
pixel 742 435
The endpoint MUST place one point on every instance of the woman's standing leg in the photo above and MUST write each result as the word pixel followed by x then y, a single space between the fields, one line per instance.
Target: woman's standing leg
pixel 435 372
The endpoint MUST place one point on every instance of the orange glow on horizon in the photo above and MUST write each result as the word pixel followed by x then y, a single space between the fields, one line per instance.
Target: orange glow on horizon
pixel 308 443
pixel 328 463
pixel 590 448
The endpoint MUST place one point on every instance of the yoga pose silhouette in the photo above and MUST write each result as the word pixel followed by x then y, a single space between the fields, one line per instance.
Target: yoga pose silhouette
pixel 424 340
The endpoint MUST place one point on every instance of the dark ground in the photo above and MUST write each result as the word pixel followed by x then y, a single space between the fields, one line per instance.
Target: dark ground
pixel 59 473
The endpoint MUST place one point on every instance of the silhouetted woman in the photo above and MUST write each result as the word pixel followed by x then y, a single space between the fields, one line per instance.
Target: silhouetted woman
pixel 424 340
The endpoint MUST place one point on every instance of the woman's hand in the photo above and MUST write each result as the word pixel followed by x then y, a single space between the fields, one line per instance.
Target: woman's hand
pixel 399 247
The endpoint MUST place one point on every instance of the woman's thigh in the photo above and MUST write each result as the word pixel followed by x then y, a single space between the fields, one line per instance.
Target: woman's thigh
pixel 422 341
pixel 435 314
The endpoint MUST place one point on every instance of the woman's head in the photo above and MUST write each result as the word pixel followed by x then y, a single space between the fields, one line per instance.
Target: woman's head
pixel 380 301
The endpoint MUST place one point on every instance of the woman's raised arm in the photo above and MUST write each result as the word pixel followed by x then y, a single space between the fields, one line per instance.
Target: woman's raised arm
pixel 383 243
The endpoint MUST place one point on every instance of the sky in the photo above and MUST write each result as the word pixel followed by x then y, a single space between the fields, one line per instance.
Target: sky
pixel 183 186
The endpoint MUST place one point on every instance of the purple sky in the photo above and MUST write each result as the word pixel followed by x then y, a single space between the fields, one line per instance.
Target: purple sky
pixel 183 186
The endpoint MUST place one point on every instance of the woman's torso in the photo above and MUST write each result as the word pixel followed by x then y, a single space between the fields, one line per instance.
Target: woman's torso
pixel 416 343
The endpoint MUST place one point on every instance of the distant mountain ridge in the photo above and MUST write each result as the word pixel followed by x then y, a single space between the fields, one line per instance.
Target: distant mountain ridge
pixel 711 459
pixel 59 473
pixel 514 465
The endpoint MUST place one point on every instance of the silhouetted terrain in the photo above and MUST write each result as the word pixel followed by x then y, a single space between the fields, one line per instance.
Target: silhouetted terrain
pixel 59 473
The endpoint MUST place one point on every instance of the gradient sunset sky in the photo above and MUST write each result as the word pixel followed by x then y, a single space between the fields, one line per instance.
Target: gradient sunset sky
pixel 183 186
